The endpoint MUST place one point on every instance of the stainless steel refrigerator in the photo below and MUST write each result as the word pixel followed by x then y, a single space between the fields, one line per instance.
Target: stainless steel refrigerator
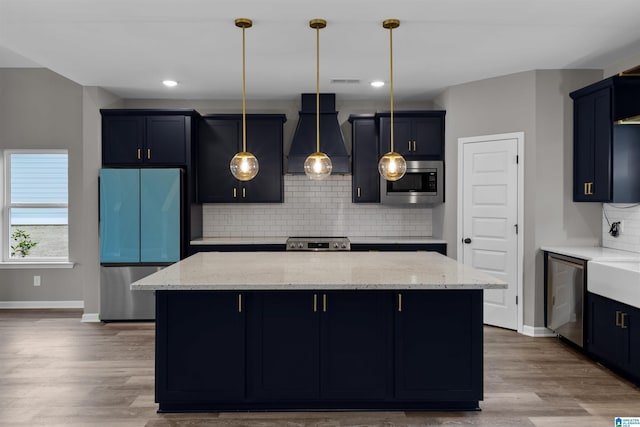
pixel 140 233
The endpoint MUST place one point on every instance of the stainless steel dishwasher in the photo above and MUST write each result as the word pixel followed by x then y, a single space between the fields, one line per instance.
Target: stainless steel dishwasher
pixel 565 292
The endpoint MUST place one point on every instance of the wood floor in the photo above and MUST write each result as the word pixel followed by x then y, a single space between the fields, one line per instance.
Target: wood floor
pixel 56 371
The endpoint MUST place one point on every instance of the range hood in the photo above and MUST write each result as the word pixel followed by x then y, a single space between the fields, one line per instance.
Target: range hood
pixel 331 139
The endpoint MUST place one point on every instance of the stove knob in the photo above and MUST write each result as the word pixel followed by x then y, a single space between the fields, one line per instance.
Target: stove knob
pixel 335 245
pixel 344 246
pixel 300 245
pixel 292 245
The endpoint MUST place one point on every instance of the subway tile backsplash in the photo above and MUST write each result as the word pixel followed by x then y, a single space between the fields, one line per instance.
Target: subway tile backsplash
pixel 629 239
pixel 315 208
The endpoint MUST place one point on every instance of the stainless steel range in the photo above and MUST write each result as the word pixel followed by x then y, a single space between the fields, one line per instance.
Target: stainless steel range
pixel 318 244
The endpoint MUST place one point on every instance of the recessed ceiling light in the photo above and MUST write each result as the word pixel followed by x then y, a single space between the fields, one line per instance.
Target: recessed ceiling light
pixel 377 83
pixel 170 83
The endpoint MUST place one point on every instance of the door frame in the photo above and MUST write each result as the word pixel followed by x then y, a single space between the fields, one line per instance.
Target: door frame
pixel 519 137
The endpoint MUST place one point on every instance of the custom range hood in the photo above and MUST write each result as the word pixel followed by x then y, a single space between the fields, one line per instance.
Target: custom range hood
pixel 331 139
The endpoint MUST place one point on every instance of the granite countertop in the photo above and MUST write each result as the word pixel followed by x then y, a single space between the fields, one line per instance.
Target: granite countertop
pixel 317 270
pixel 281 240
pixel 593 253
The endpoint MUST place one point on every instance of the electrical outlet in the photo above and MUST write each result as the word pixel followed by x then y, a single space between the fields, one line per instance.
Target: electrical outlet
pixel 36 280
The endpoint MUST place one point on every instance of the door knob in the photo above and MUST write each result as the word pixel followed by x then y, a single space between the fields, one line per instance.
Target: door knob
pixel 467 240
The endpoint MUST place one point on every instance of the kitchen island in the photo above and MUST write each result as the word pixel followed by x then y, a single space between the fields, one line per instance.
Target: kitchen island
pixel 318 331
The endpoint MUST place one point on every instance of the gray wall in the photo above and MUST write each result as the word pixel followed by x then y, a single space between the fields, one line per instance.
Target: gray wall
pixel 537 103
pixel 41 109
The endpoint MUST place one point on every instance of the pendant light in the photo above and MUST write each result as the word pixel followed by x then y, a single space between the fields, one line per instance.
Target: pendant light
pixel 244 165
pixel 392 166
pixel 318 165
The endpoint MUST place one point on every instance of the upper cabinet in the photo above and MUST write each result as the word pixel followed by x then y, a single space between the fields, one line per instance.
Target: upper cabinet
pixel 365 181
pixel 417 134
pixel 606 143
pixel 146 137
pixel 220 138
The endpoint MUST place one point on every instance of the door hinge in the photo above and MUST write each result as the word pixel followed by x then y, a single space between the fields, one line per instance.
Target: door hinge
pixel 517 159
pixel 516 226
pixel 516 299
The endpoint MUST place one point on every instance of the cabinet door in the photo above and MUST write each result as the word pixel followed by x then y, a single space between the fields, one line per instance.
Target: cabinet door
pixel 264 140
pixel 633 325
pixel 438 345
pixel 201 346
pixel 605 339
pixel 160 202
pixel 592 147
pixel 119 215
pixel 218 143
pixel 428 137
pixel 355 345
pixel 402 133
pixel 283 345
pixel 365 183
pixel 122 140
pixel 165 141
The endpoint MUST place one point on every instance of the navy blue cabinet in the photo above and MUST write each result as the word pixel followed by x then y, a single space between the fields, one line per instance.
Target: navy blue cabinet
pixel 146 137
pixel 365 180
pixel 220 138
pixel 606 152
pixel 287 350
pixel 436 362
pixel 614 335
pixel 417 134
pixel 201 349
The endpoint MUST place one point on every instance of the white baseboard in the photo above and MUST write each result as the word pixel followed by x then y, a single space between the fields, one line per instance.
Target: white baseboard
pixel 41 304
pixel 537 331
pixel 91 318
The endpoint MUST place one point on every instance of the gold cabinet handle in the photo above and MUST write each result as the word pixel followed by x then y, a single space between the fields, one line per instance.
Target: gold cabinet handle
pixel 239 303
pixel 591 188
pixel 148 153
pixel 622 317
pixel 414 145
pixel 409 145
pixel 324 303
pixel 399 303
pixel 588 188
pixel 315 303
pixel 244 192
pixel 618 318
pixel 235 192
pixel 139 153
pixel 358 192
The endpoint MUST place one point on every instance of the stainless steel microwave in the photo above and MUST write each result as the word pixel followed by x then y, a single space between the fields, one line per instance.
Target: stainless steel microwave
pixel 423 183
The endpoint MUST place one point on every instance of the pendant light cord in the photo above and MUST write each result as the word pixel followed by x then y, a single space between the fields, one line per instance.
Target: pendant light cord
pixel 244 106
pixel 317 89
pixel 391 81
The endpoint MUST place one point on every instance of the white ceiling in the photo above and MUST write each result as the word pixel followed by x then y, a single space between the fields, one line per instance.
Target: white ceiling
pixel 130 46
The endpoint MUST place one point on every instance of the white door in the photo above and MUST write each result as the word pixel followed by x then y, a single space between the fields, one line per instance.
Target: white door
pixel 489 220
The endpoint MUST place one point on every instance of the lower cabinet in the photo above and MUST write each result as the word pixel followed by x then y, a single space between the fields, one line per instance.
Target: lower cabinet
pixel 438 348
pixel 200 346
pixel 287 350
pixel 614 335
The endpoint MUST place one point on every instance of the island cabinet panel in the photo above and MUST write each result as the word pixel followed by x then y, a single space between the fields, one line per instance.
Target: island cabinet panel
pixel 438 351
pixel 200 350
pixel 355 345
pixel 282 346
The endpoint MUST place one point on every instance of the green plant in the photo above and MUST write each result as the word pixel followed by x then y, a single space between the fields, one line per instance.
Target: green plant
pixel 23 245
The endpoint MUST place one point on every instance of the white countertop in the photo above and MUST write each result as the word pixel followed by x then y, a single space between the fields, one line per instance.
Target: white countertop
pixel 317 270
pixel 280 240
pixel 593 253
pixel 618 280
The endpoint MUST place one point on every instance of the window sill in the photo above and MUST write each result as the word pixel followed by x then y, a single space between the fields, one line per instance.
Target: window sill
pixel 36 264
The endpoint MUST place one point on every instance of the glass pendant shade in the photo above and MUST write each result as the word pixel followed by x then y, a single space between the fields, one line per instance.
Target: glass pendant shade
pixel 244 166
pixel 392 166
pixel 318 166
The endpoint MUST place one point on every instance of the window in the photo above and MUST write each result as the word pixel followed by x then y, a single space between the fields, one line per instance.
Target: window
pixel 35 214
